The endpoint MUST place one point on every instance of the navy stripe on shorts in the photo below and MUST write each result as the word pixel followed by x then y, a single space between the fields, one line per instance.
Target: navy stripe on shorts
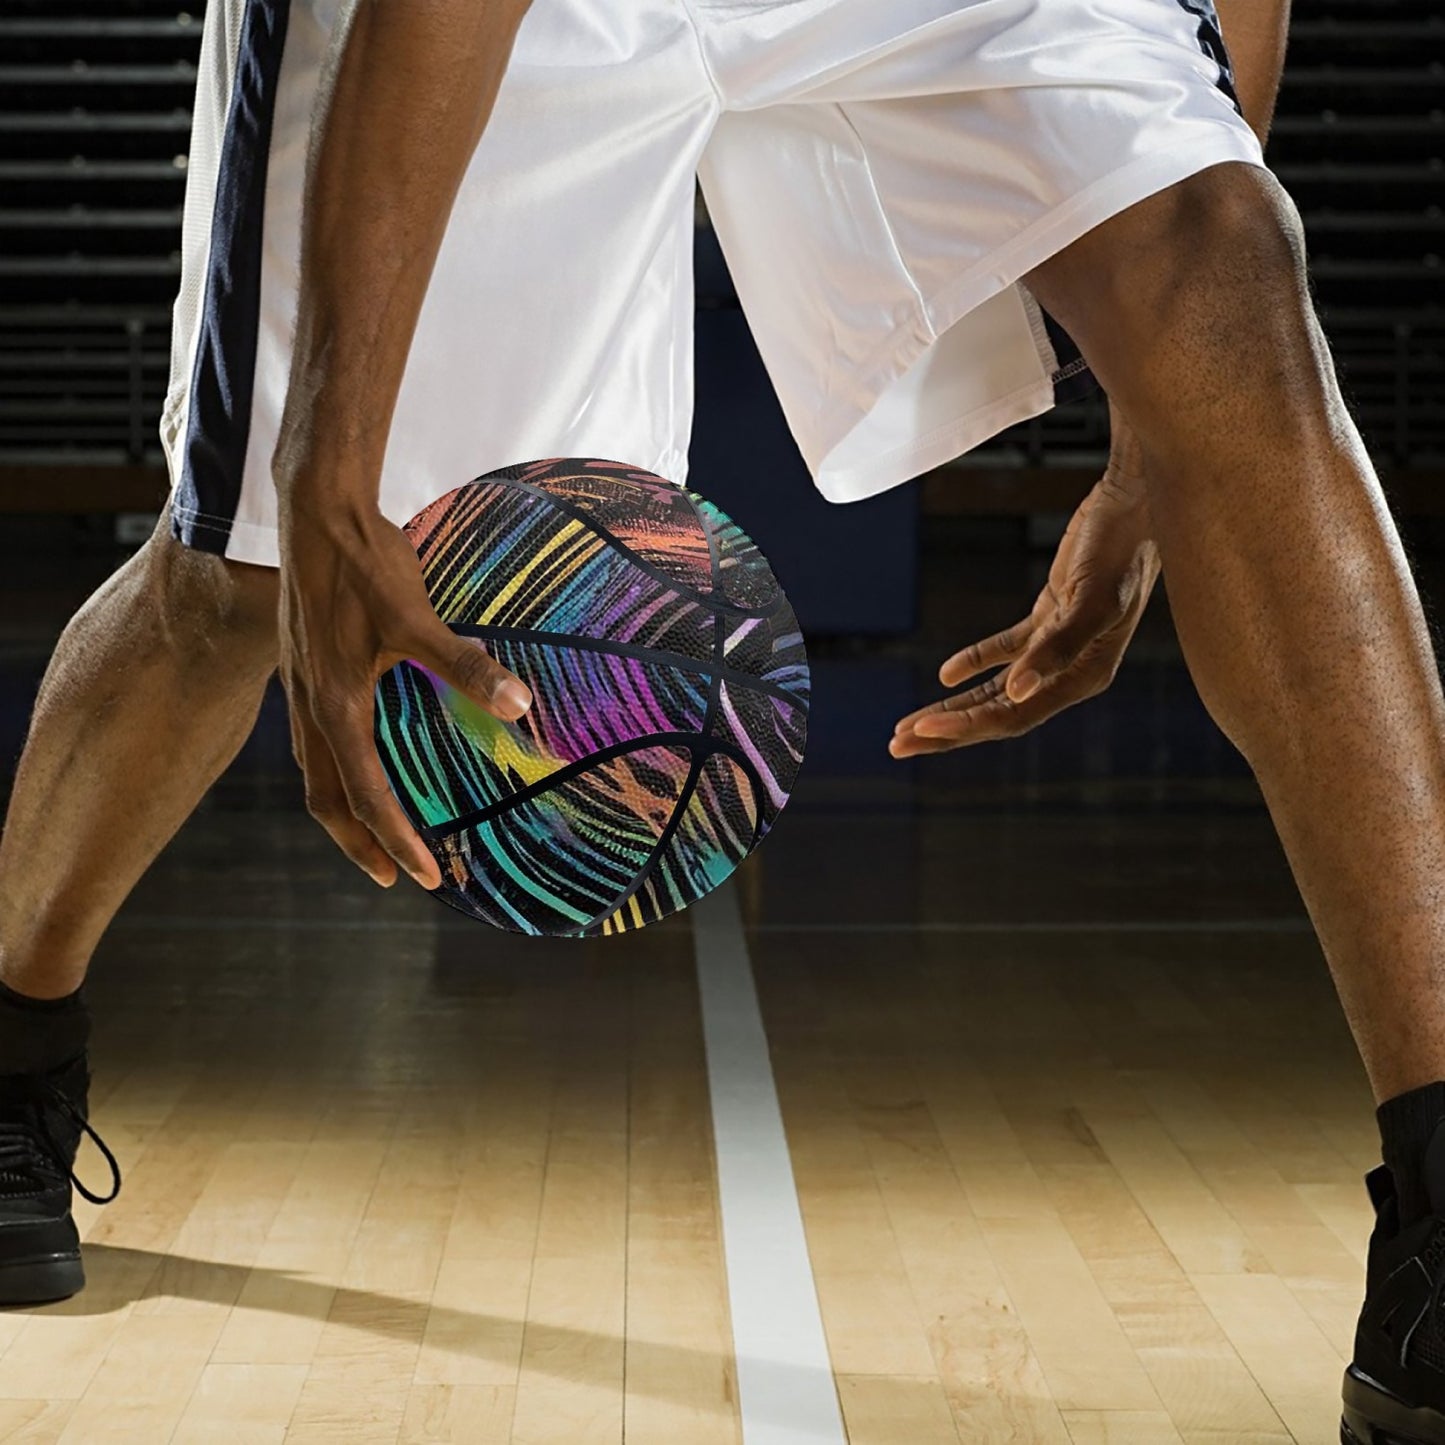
pixel 213 453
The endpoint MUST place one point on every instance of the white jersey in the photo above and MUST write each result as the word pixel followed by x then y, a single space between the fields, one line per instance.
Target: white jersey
pixel 880 176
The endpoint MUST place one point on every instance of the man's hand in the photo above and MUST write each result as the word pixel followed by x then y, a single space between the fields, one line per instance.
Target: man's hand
pixel 1070 646
pixel 406 94
pixel 353 605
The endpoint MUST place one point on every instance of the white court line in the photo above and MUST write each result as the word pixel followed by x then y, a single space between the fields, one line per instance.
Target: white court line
pixel 786 1394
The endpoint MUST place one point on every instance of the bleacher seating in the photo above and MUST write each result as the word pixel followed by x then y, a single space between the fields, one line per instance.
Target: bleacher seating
pixel 94 122
pixel 1359 141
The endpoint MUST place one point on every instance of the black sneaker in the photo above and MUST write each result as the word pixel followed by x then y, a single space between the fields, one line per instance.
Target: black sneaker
pixel 1395 1389
pixel 42 1117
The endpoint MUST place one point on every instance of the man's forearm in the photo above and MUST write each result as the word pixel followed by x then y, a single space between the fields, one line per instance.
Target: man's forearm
pixel 1255 32
pixel 410 87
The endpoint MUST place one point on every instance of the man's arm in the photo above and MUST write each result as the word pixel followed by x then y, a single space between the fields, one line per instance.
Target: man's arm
pixel 1073 641
pixel 1255 32
pixel 409 88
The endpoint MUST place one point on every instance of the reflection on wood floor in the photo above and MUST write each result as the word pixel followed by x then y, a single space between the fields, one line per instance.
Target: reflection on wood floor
pixel 393 1178
pixel 369 1209
pixel 1076 1189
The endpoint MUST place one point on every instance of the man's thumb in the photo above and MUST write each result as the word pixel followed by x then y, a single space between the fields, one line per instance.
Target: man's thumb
pixel 1051 653
pixel 466 665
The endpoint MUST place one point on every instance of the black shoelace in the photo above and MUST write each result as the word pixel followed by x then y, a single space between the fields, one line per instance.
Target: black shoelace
pixel 30 1150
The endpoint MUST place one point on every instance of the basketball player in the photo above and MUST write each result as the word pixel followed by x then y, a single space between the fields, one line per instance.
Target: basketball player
pixel 927 206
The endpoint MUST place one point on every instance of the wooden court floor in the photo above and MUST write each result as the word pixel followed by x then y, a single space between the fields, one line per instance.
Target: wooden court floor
pixel 1076 1130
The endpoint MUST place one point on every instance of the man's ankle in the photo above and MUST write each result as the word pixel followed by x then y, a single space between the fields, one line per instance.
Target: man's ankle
pixel 40 1034
pixel 1408 1123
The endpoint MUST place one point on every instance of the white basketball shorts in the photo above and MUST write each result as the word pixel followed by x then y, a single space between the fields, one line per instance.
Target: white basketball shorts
pixel 880 172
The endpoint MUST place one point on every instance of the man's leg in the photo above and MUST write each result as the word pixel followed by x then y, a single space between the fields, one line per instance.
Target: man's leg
pixel 1304 633
pixel 1294 604
pixel 153 688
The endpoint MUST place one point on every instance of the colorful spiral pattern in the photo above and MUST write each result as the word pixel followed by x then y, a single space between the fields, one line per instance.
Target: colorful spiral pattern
pixel 670 699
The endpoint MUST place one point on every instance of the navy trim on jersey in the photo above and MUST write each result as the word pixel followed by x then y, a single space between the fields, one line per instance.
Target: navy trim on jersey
pixel 1072 378
pixel 1211 42
pixel 213 455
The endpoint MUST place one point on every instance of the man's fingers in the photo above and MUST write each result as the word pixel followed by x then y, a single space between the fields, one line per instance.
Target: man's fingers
pixel 905 724
pixel 910 745
pixel 1054 650
pixel 326 800
pixel 993 651
pixel 989 721
pixel 958 720
pixel 367 796
pixel 992 715
pixel 958 702
pixel 466 665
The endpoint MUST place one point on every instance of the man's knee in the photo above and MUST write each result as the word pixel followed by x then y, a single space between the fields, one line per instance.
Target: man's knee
pixel 1231 267
pixel 1206 278
pixel 207 603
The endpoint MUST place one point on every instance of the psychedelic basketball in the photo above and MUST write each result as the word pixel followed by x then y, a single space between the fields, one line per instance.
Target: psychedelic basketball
pixel 670 699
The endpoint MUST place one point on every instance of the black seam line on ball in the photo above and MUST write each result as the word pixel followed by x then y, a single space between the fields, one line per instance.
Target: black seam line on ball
pixel 691 742
pixel 579 515
pixel 725 673
pixel 720 660
pixel 699 756
pixel 679 660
